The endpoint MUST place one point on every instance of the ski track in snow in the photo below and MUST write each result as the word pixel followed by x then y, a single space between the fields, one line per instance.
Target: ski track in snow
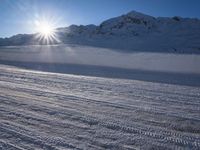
pixel 41 110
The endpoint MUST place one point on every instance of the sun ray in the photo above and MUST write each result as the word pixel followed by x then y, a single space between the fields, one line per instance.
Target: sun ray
pixel 46 32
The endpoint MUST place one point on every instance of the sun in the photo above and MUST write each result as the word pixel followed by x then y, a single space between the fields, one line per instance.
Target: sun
pixel 46 32
pixel 45 28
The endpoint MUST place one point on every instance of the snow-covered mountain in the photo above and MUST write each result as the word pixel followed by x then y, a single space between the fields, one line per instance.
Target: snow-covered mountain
pixel 133 32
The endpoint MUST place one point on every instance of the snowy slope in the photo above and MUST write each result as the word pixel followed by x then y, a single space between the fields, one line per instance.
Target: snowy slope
pixel 133 32
pixel 55 111
pixel 84 55
pixel 182 69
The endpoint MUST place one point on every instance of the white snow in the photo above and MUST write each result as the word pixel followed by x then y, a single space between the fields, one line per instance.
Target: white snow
pixel 139 32
pixel 74 54
pixel 55 111
pixel 43 110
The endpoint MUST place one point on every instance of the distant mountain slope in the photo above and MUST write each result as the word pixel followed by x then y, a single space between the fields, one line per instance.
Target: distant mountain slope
pixel 133 32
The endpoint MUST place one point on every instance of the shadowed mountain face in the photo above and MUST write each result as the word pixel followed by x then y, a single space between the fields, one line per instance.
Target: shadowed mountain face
pixel 131 32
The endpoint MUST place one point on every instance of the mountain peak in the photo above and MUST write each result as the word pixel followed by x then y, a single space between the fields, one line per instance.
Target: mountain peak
pixel 131 31
pixel 133 12
pixel 138 15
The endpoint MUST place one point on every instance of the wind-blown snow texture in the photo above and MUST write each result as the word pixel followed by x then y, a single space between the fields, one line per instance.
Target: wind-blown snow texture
pixel 56 111
pixel 130 32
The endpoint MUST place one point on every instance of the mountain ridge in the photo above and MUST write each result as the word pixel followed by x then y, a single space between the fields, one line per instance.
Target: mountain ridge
pixel 133 31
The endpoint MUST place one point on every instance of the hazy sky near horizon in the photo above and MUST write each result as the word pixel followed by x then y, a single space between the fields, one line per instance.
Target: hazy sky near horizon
pixel 19 16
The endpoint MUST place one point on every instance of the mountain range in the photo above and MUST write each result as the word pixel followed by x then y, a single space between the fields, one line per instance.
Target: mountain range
pixel 133 31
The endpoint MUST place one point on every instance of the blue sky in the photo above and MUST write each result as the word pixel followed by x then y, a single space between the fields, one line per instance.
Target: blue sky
pixel 18 16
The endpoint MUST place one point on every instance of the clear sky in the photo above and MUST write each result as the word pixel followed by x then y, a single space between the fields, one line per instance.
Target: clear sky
pixel 19 16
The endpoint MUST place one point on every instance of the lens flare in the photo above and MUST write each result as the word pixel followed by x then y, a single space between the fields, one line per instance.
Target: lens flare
pixel 45 29
pixel 46 32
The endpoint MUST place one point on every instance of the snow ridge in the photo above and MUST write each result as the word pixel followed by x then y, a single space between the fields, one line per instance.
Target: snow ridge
pixel 133 31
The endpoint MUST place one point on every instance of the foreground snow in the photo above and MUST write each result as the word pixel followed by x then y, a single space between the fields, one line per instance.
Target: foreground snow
pixel 55 111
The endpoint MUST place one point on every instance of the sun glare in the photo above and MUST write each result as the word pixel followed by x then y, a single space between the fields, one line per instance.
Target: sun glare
pixel 46 31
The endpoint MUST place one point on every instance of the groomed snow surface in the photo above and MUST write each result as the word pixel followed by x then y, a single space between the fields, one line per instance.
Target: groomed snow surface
pixel 40 110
